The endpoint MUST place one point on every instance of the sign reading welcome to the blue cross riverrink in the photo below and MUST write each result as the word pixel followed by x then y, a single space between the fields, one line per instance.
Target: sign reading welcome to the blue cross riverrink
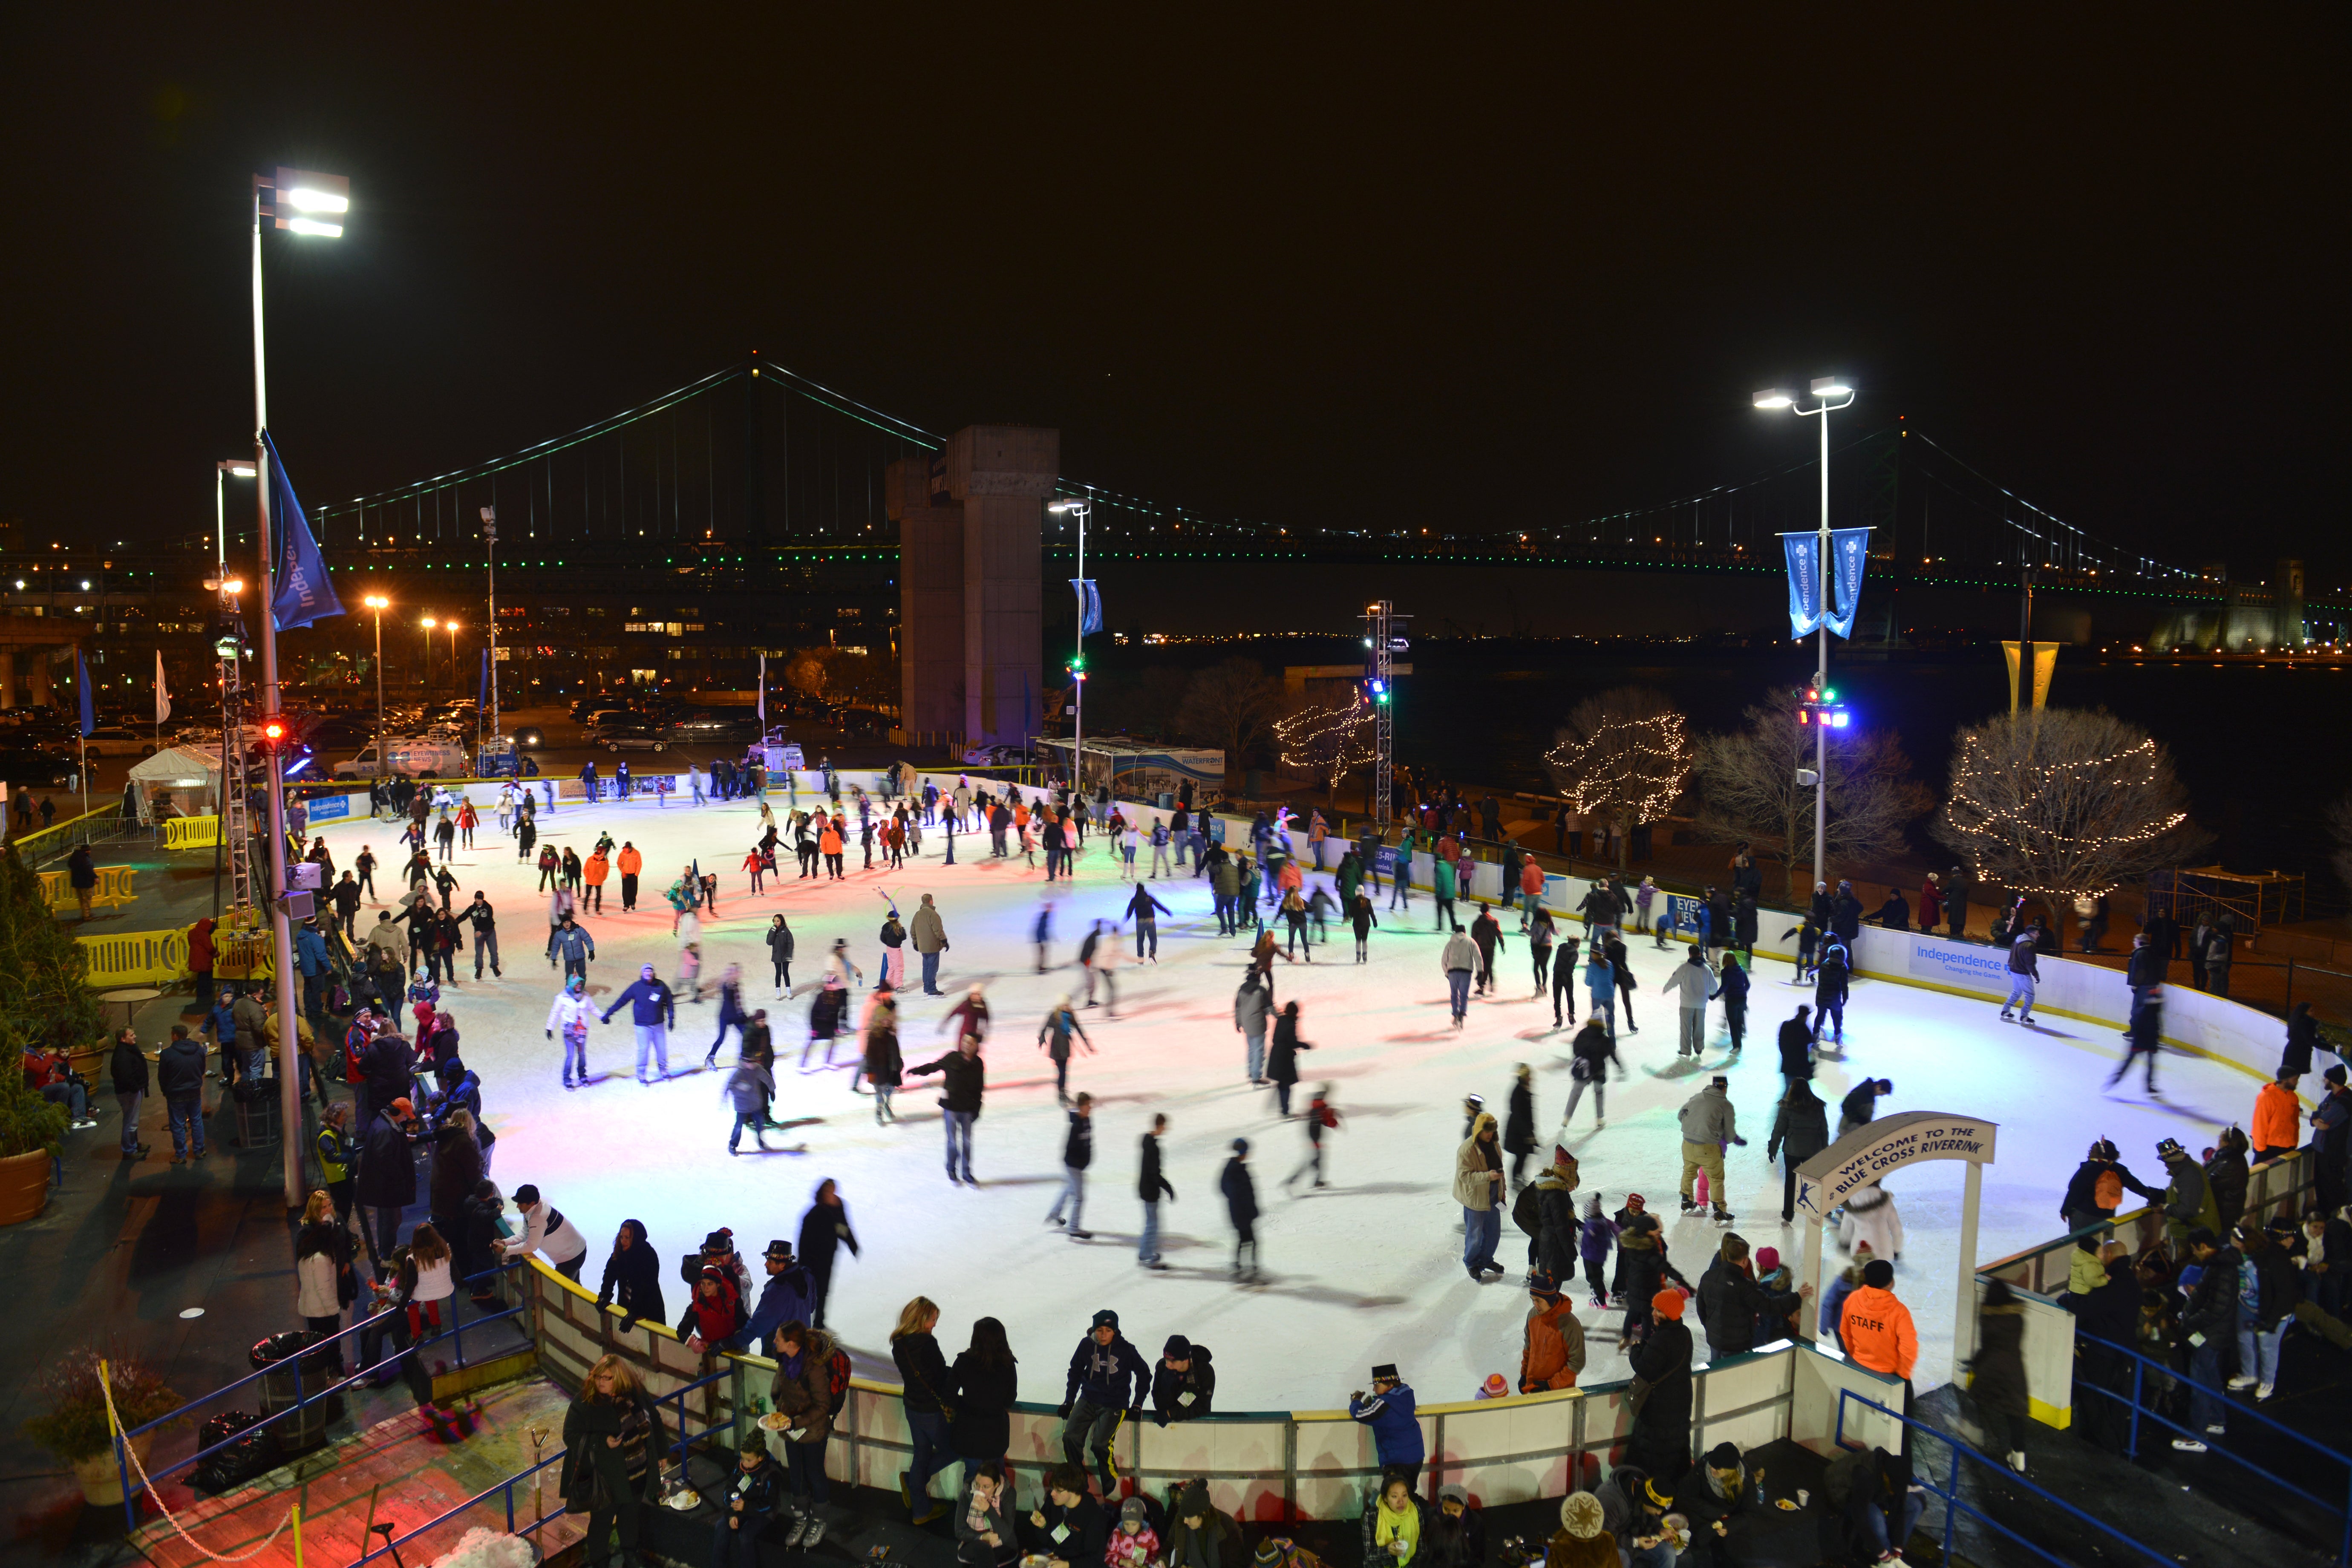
pixel 1867 1153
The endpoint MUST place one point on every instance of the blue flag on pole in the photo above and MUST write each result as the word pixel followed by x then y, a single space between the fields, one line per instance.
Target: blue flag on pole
pixel 1089 605
pixel 1848 552
pixel 1804 583
pixel 303 592
pixel 81 687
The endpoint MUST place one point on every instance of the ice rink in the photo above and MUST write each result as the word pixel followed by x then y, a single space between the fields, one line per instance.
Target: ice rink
pixel 1367 1271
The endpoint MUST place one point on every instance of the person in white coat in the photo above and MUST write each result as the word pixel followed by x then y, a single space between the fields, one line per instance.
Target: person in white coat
pixel 573 1014
pixel 1870 1216
pixel 1695 978
pixel 544 1230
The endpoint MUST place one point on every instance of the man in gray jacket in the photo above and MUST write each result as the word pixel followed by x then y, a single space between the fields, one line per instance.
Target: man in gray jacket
pixel 1460 962
pixel 1252 1005
pixel 1708 1123
pixel 929 935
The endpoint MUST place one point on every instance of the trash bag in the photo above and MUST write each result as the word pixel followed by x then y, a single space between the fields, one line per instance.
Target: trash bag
pixel 240 1461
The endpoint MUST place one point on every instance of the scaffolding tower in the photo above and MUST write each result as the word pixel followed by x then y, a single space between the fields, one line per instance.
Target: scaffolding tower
pixel 1384 640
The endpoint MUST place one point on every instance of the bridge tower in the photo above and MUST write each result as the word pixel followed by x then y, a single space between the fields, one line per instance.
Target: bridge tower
pixel 970 520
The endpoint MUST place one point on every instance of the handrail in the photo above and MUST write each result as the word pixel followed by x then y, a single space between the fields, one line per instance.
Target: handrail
pixel 2131 1440
pixel 301 1401
pixel 87 822
pixel 1955 1505
pixel 506 1486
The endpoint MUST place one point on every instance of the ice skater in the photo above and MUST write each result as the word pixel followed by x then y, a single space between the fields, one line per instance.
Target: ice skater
pixel 1832 980
pixel 1321 1118
pixel 1591 1053
pixel 1460 962
pixel 965 1084
pixel 730 1011
pixel 572 1013
pixel 1077 1153
pixel 2146 1032
pixel 1696 982
pixel 1241 1206
pixel 2024 971
pixel 653 1009
pixel 1054 1037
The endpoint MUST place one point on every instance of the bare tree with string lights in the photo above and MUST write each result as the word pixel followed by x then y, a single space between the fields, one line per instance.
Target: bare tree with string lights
pixel 1748 788
pixel 1329 741
pixel 1624 757
pixel 2064 803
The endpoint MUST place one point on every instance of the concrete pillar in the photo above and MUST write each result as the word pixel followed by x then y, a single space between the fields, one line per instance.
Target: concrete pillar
pixel 7 681
pixel 931 596
pixel 1001 474
pixel 42 694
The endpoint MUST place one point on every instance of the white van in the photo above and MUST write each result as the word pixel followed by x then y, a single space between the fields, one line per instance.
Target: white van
pixel 440 758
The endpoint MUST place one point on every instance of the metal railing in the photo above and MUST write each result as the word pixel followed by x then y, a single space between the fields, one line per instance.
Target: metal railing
pixel 505 1489
pixel 302 1401
pixel 2141 1366
pixel 1955 1505
pixel 90 827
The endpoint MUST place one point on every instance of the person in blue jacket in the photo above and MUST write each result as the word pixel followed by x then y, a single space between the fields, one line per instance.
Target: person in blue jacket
pixel 1109 1379
pixel 1396 1434
pixel 310 958
pixel 654 1010
pixel 784 1298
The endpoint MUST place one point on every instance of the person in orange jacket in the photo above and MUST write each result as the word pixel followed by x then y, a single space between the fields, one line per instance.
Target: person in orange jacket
pixel 1553 1352
pixel 595 870
pixel 1531 887
pixel 2278 1118
pixel 1877 1330
pixel 828 844
pixel 631 862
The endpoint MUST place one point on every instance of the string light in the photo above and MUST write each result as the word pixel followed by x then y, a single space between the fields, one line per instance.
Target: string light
pixel 1633 767
pixel 1327 741
pixel 2032 836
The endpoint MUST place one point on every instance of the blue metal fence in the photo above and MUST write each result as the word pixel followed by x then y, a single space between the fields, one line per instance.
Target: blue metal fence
pixel 1955 1505
pixel 302 1401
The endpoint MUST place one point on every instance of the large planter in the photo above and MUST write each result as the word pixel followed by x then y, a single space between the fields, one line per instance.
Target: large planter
pixel 101 1480
pixel 24 1186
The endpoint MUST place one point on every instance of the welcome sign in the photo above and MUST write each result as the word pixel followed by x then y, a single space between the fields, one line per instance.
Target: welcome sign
pixel 1868 1153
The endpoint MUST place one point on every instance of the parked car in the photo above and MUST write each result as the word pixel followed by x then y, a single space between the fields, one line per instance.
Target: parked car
pixel 416 758
pixel 631 737
pixel 119 740
pixel 713 724
pixel 22 768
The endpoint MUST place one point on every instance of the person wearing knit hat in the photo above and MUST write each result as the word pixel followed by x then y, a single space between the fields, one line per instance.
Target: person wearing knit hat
pixel 1106 1381
pixel 1133 1542
pixel 1461 1529
pixel 1241 1206
pixel 1713 1496
pixel 1659 1441
pixel 1183 1382
pixel 1581 1541
pixel 1551 1353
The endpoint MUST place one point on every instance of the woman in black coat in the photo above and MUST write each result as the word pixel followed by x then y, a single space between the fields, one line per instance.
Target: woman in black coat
pixel 780 949
pixel 1801 1130
pixel 1999 1385
pixel 1519 1126
pixel 1659 1441
pixel 633 1278
pixel 613 1450
pixel 987 1380
pixel 2302 1039
pixel 1282 1055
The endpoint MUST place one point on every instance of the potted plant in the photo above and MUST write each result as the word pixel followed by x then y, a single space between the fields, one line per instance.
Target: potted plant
pixel 73 1425
pixel 44 997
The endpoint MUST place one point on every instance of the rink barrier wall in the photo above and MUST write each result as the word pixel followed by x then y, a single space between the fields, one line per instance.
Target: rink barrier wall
pixel 2038 1276
pixel 1261 1466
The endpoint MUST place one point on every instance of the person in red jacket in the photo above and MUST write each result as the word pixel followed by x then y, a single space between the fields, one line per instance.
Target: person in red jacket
pixel 715 1311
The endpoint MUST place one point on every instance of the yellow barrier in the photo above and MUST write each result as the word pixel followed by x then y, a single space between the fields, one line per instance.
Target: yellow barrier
pixel 191 832
pixel 113 889
pixel 137 958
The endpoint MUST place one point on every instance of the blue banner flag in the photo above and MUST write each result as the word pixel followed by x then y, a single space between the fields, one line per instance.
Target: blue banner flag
pixel 1848 552
pixel 81 687
pixel 303 592
pixel 1089 605
pixel 1804 583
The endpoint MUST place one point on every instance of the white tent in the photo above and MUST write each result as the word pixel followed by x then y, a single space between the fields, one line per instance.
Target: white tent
pixel 177 781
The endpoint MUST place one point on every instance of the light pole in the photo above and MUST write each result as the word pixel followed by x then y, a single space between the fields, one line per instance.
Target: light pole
pixel 294 194
pixel 379 603
pixel 1080 510
pixel 425 691
pixel 490 560
pixel 1830 393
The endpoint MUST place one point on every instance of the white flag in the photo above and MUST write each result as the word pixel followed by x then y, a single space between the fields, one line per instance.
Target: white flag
pixel 162 696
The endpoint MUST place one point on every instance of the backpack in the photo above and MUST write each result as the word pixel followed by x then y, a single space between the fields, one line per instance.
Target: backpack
pixel 2108 1191
pixel 836 1379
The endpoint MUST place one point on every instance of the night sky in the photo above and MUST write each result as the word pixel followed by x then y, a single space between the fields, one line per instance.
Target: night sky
pixel 1338 274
